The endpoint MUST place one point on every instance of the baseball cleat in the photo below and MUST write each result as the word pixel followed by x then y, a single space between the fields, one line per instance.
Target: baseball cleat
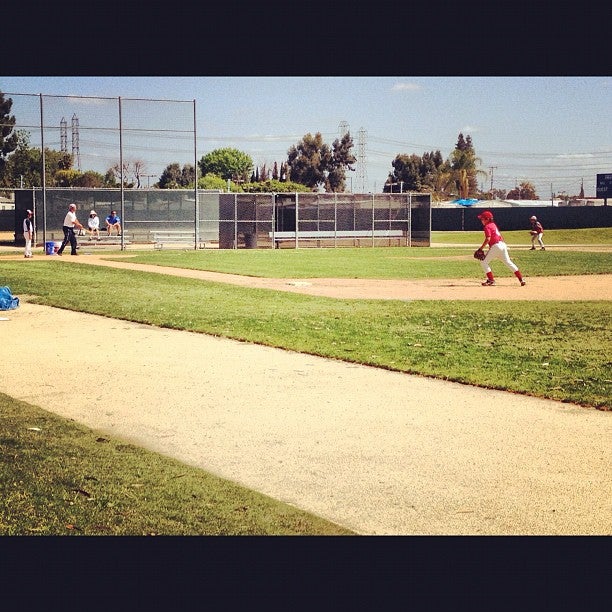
pixel 488 283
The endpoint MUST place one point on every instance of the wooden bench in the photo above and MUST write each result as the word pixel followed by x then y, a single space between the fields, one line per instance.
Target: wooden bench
pixel 332 235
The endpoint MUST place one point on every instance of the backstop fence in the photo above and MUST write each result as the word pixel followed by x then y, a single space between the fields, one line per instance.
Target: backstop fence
pixel 136 139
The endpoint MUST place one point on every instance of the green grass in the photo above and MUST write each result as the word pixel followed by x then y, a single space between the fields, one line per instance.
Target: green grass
pixel 382 263
pixel 559 350
pixel 60 478
pixel 560 237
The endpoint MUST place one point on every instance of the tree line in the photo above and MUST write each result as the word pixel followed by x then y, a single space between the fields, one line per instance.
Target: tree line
pixel 311 165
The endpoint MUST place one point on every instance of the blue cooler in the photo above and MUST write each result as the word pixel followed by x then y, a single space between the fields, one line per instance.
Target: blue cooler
pixel 49 248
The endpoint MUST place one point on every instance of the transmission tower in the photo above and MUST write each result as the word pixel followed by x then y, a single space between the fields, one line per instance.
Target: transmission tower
pixel 343 128
pixel 362 173
pixel 75 141
pixel 63 136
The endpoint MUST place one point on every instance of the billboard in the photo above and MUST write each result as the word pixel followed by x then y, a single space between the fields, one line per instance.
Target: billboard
pixel 604 185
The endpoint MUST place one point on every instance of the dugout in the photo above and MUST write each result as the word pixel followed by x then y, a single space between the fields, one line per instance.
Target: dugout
pixel 292 220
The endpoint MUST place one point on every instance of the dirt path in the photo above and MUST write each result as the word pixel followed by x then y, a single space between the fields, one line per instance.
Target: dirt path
pixel 592 287
pixel 376 451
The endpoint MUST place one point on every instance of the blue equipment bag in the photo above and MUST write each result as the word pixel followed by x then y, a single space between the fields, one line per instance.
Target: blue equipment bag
pixel 7 300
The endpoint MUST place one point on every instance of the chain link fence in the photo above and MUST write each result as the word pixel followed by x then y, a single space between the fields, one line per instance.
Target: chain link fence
pixel 136 139
pixel 169 218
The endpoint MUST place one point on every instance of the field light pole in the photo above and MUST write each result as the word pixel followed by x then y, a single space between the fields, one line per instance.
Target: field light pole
pixel 43 172
pixel 196 232
pixel 121 175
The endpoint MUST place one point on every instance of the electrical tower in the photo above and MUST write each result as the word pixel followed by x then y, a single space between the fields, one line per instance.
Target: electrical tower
pixel 362 173
pixel 75 141
pixel 63 136
pixel 343 128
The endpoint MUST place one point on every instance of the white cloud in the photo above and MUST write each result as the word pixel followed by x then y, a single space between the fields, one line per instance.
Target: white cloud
pixel 575 156
pixel 469 129
pixel 407 87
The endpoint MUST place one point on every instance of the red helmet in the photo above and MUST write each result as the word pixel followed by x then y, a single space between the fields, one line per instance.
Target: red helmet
pixel 487 215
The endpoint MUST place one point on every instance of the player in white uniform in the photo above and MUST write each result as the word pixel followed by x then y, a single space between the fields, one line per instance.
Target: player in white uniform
pixel 28 233
pixel 70 222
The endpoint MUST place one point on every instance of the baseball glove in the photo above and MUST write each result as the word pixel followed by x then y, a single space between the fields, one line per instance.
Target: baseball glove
pixel 479 254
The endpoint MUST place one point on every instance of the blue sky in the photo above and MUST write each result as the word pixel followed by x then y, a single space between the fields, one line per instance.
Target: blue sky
pixel 553 130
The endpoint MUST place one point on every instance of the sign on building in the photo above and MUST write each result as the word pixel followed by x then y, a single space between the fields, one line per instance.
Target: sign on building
pixel 604 185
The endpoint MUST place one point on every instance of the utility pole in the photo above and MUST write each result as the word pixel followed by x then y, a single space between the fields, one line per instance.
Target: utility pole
pixel 491 168
pixel 552 196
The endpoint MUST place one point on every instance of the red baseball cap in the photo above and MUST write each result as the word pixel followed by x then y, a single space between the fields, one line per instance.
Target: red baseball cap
pixel 487 214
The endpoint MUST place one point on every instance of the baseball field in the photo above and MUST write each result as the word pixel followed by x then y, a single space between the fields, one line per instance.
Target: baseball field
pixel 291 371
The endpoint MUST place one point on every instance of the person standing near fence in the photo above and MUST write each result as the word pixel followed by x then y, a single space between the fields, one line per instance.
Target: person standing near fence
pixel 536 231
pixel 497 249
pixel 28 233
pixel 70 222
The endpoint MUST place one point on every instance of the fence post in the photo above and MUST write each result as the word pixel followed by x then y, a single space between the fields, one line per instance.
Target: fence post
pixel 235 220
pixel 297 219
pixel 196 229
pixel 43 172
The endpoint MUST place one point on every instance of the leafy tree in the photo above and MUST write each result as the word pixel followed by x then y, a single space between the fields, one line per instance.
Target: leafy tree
pixel 406 173
pixel 188 176
pixel 25 164
pixel 413 173
pixel 284 172
pixel 492 194
pixel 67 178
pixel 89 178
pixel 171 177
pixel 175 177
pixel 76 178
pixel 8 137
pixel 464 165
pixel 275 186
pixel 309 161
pixel 212 181
pixel 228 163
pixel 263 174
pixel 342 160
pixel 525 191
pixel 109 178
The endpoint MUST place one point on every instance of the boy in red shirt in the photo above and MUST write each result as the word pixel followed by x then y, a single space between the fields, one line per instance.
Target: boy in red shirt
pixel 497 249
